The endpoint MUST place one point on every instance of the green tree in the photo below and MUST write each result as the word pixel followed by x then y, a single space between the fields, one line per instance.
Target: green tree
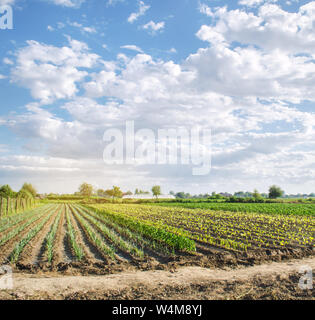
pixel 256 194
pixel 29 188
pixel 114 193
pixel 100 193
pixel 156 190
pixel 117 192
pixel 23 193
pixel 275 192
pixel 86 190
pixel 6 191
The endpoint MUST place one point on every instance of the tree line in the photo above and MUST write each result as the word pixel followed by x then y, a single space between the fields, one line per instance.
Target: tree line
pixel 27 191
pixel 87 190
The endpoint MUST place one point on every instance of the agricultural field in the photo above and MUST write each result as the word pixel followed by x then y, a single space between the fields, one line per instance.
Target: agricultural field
pixel 269 208
pixel 107 238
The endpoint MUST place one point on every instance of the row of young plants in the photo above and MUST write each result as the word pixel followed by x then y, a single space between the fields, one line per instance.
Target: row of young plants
pixel 229 230
pixel 77 249
pixel 18 227
pixel 9 222
pixel 286 209
pixel 174 241
pixel 51 237
pixel 14 256
pixel 110 234
pixel 135 238
pixel 94 236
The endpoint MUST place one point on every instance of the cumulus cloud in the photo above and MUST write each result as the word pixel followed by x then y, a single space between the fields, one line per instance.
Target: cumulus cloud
pixel 52 72
pixel 243 85
pixel 271 28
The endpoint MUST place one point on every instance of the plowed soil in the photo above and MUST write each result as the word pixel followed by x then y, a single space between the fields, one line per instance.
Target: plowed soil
pixel 210 273
pixel 267 281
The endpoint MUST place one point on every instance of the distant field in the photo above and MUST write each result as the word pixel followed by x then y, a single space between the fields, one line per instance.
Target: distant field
pixel 299 209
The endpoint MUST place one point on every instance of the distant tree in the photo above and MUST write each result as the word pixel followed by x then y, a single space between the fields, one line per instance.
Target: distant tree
pixel 275 192
pixel 29 188
pixel 6 191
pixel 240 194
pixel 172 193
pixel 128 193
pixel 86 190
pixel 23 193
pixel 256 194
pixel 156 190
pixel 100 193
pixel 117 192
pixel 139 191
pixel 183 195
pixel 180 195
pixel 114 193
pixel 109 193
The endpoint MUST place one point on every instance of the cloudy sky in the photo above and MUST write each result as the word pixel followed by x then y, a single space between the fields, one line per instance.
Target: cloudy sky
pixel 71 69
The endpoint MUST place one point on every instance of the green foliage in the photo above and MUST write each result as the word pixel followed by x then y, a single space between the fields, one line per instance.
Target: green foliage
pixel 172 240
pixel 7 192
pixel 156 190
pixel 86 190
pixel 29 189
pixel 269 208
pixel 24 194
pixel 275 192
pixel 114 193
pixel 77 249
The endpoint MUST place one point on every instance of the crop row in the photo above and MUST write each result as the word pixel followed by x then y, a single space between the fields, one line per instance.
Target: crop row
pixel 229 230
pixel 147 229
pixel 15 228
pixel 287 209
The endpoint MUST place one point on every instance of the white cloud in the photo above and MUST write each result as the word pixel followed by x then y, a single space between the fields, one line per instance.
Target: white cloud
pixel 154 27
pixel 68 3
pixel 82 28
pixel 253 3
pixel 203 8
pixel 271 28
pixel 2 77
pixel 6 2
pixel 113 2
pixel 132 47
pixel 51 72
pixel 143 8
pixel 242 87
pixel 8 61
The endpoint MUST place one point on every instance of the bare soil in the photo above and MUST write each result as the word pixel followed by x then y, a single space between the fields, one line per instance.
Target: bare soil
pixel 275 280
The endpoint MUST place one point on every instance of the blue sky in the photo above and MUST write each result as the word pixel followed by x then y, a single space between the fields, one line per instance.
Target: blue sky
pixel 243 69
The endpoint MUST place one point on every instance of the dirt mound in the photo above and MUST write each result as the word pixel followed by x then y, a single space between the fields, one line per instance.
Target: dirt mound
pixel 267 281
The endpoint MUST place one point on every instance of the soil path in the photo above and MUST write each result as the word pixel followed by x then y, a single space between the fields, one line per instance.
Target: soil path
pixel 267 281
